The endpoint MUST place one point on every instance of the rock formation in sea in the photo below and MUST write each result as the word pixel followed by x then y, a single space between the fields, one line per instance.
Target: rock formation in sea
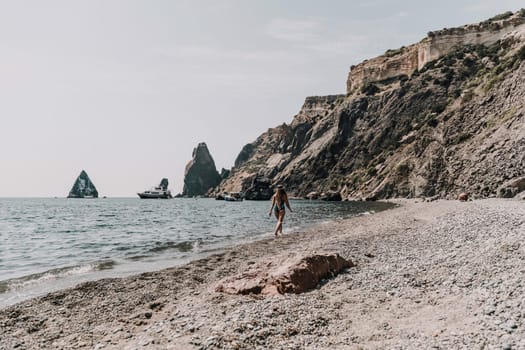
pixel 201 174
pixel 164 184
pixel 437 118
pixel 83 187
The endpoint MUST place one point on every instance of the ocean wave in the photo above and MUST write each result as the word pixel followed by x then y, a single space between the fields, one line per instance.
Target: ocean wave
pixel 107 215
pixel 137 257
pixel 184 246
pixel 53 274
pixel 107 264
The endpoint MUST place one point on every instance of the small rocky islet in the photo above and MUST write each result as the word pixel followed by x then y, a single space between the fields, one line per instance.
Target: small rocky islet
pixel 200 173
pixel 83 187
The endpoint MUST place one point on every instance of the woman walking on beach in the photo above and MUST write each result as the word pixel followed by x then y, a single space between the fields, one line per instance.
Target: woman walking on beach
pixel 279 201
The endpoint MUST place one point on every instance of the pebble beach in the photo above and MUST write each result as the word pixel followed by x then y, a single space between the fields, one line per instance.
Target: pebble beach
pixel 428 275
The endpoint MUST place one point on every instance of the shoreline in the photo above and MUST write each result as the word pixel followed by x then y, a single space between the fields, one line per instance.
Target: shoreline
pixel 171 252
pixel 414 262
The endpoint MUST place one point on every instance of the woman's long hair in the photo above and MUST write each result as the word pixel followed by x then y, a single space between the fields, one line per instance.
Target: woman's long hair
pixel 280 194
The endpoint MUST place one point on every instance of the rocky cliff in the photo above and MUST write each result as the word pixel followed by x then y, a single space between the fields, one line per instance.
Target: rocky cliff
pixel 437 118
pixel 406 60
pixel 83 187
pixel 201 174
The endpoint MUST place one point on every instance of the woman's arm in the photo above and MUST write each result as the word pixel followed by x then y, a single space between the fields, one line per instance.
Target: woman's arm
pixel 273 203
pixel 287 203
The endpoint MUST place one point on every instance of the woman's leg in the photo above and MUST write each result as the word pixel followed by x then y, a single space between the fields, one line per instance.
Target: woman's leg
pixel 281 220
pixel 279 225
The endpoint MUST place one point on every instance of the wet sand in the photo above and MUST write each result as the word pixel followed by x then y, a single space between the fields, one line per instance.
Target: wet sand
pixel 442 274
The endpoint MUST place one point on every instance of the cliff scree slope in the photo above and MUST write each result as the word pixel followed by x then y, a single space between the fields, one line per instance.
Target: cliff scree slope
pixel 443 116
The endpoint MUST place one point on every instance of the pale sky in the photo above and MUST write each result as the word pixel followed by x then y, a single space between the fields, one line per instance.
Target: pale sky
pixel 126 89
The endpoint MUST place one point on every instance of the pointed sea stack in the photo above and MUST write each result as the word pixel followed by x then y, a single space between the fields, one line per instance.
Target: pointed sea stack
pixel 83 187
pixel 164 184
pixel 200 174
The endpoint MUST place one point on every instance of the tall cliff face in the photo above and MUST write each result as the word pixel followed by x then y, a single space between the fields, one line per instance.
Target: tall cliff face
pixel 200 174
pixel 268 156
pixel 406 60
pixel 83 187
pixel 456 124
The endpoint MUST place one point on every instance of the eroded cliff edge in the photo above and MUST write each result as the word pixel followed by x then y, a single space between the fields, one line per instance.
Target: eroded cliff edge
pixel 436 118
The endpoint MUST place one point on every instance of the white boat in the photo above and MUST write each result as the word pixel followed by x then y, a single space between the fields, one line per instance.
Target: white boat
pixel 233 197
pixel 158 192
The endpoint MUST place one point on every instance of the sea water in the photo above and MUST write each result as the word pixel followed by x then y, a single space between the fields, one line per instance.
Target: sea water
pixel 51 244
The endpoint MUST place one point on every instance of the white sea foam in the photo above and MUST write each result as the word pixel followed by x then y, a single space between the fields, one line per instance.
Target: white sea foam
pixel 33 280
